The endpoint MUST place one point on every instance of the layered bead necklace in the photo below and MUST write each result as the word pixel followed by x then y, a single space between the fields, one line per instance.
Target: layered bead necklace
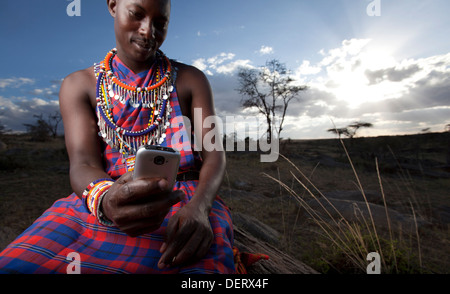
pixel 111 90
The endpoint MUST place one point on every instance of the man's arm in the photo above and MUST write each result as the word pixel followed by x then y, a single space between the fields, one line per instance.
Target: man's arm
pixel 189 234
pixel 80 129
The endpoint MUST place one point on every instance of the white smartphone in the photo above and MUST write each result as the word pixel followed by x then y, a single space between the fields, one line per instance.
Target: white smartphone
pixel 157 161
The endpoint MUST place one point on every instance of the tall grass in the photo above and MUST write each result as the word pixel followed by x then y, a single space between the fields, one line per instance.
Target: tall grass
pixel 354 240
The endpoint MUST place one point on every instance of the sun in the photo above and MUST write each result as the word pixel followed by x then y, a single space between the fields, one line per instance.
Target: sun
pixel 348 75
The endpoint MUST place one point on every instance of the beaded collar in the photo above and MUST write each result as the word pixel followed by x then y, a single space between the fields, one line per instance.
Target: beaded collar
pixel 155 97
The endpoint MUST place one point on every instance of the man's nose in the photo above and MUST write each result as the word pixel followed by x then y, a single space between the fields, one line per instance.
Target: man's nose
pixel 146 29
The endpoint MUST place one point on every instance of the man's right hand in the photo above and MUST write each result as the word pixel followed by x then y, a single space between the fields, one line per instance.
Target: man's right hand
pixel 138 207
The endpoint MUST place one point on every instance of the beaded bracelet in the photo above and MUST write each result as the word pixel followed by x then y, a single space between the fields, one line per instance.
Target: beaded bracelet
pixel 93 196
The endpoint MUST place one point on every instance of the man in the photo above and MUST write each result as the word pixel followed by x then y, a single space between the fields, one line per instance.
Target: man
pixel 150 228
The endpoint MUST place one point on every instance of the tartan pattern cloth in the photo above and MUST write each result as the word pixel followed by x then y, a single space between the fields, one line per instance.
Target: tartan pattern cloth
pixel 244 260
pixel 67 227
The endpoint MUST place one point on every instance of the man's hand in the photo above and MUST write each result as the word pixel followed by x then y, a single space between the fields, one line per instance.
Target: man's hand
pixel 188 237
pixel 139 207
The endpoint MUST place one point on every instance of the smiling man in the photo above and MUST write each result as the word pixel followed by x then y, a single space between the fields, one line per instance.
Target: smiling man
pixel 116 224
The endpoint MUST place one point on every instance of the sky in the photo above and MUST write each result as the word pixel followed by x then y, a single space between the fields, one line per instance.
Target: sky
pixel 386 62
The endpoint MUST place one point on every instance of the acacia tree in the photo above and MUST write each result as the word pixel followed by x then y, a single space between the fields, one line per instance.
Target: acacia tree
pixel 356 126
pixel 351 129
pixel 269 90
pixel 340 132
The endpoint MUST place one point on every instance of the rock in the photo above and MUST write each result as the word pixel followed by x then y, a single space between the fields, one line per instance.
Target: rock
pixel 256 228
pixel 371 196
pixel 278 263
pixel 356 211
pixel 239 195
pixel 330 162
pixel 242 185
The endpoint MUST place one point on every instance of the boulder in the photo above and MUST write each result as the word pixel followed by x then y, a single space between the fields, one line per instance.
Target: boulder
pixel 371 196
pixel 256 228
pixel 357 211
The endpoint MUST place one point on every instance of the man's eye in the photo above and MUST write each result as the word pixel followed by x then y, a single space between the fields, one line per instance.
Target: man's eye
pixel 135 14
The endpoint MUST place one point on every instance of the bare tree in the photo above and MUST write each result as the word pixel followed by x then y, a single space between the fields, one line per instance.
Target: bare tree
pixel 269 90
pixel 42 129
pixel 356 126
pixel 53 121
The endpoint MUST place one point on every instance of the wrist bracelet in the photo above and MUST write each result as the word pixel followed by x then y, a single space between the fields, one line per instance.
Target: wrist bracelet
pixel 93 195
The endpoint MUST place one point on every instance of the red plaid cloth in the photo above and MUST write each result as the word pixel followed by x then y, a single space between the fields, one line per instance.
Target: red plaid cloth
pixel 68 227
pixel 243 260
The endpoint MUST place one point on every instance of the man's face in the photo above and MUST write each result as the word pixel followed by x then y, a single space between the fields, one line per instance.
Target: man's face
pixel 140 27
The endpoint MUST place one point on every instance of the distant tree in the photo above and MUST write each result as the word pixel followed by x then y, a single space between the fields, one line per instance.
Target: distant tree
pixel 354 127
pixel 44 128
pixel 3 129
pixel 269 90
pixel 447 128
pixel 339 132
pixel 350 130
pixel 53 121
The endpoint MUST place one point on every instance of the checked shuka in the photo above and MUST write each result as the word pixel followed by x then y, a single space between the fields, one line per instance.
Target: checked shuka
pixel 67 227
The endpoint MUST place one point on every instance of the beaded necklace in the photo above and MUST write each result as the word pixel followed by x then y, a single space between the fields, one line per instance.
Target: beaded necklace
pixel 111 90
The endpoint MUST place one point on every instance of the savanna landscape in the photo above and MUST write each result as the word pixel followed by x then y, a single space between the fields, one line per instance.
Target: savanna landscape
pixel 327 203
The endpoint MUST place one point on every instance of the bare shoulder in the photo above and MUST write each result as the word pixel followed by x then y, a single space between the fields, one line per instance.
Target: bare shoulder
pixel 84 76
pixel 80 85
pixel 185 69
pixel 189 76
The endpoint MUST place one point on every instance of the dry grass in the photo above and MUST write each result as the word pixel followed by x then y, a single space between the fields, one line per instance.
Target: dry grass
pixel 339 245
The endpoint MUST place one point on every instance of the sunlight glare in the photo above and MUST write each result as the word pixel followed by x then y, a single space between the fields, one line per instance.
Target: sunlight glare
pixel 349 81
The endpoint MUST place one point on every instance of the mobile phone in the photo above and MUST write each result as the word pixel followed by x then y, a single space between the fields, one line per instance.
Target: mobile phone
pixel 157 161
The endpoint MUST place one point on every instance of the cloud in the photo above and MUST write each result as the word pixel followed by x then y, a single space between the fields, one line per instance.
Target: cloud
pixel 222 63
pixel 17 111
pixel 306 69
pixel 350 83
pixel 15 82
pixel 266 50
pixel 393 74
pixel 356 82
pixel 18 107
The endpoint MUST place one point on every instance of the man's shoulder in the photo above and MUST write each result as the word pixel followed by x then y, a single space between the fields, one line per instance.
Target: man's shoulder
pixel 188 72
pixel 82 75
pixel 80 83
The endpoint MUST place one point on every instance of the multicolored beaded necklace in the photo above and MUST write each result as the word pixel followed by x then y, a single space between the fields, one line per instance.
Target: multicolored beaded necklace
pixel 111 90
